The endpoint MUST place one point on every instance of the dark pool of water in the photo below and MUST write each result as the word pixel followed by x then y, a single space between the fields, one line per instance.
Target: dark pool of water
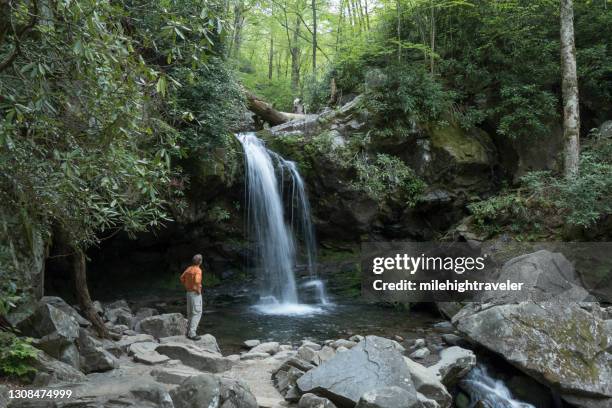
pixel 233 324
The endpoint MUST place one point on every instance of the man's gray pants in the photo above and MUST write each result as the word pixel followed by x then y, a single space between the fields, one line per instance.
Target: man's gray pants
pixel 194 312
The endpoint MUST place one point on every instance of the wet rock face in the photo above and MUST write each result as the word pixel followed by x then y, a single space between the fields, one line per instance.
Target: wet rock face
pixel 559 344
pixel 373 363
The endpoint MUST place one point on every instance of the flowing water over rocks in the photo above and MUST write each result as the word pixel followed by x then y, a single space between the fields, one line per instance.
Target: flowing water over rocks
pixel 272 235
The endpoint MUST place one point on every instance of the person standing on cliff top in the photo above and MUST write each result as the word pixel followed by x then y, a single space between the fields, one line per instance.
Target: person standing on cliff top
pixel 192 280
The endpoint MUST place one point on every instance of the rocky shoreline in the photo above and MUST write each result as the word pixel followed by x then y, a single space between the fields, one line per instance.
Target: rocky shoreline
pixel 564 346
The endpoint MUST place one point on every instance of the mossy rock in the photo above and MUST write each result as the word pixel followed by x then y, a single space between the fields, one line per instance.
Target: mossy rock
pixel 465 148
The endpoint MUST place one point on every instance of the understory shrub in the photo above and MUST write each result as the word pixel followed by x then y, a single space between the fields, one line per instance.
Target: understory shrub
pixel 544 197
pixel 16 356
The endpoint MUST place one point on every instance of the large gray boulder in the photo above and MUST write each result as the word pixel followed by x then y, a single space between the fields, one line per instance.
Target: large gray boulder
pixel 196 357
pixel 103 391
pixel 120 316
pixel 372 364
pixel 546 276
pixel 52 371
pixel 455 363
pixel 50 321
pixel 559 344
pixel 427 383
pixel 389 397
pixel 210 391
pixel 173 372
pixel 61 304
pixel 93 356
pixel 164 325
pixel 207 342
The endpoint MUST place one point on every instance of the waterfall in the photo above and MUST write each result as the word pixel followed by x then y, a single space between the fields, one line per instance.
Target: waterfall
pixel 483 388
pixel 272 232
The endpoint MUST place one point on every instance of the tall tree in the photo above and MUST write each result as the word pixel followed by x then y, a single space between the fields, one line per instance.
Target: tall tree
pixel 314 36
pixel 571 113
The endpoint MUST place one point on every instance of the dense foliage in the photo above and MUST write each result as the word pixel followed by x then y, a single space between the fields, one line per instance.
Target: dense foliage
pixel 94 112
pixel 16 356
pixel 545 201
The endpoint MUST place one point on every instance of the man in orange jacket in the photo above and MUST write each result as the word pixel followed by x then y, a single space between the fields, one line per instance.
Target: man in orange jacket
pixel 192 280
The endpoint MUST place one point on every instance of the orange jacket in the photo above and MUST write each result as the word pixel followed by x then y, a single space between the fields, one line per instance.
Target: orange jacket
pixel 192 279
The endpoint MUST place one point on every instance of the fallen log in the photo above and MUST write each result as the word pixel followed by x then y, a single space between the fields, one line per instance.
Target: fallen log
pixel 267 113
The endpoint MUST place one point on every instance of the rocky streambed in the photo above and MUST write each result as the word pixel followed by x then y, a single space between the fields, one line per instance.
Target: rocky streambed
pixel 556 354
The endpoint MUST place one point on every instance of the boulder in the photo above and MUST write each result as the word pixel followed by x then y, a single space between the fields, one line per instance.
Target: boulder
pixel 420 353
pixel 270 347
pixel 207 342
pixel 208 390
pixel 557 343
pixel 196 357
pixel 102 391
pixel 120 316
pixel 455 362
pixel 372 364
pixel 546 276
pixel 173 373
pixel 61 304
pixel 145 353
pixel 164 325
pixel 150 358
pixel 251 343
pixel 307 354
pixel 126 341
pixel 70 355
pixel 389 397
pixel 426 383
pixel 254 356
pixel 313 401
pixel 286 376
pixel 326 353
pixel 51 371
pixel 311 344
pixel 60 327
pixel 93 356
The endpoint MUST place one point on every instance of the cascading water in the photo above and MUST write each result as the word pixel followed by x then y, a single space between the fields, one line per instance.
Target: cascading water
pixel 274 241
pixel 485 389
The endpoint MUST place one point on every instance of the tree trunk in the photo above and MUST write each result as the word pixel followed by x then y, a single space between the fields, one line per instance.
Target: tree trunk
pixel 432 37
pixel 571 113
pixel 399 30
pixel 314 37
pixel 79 273
pixel 265 111
pixel 271 57
pixel 295 57
pixel 237 37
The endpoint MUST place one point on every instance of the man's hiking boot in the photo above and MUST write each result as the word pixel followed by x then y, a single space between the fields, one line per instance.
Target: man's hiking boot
pixel 194 338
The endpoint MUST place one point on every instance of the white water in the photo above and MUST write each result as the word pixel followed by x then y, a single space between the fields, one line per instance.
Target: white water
pixel 272 234
pixel 482 387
